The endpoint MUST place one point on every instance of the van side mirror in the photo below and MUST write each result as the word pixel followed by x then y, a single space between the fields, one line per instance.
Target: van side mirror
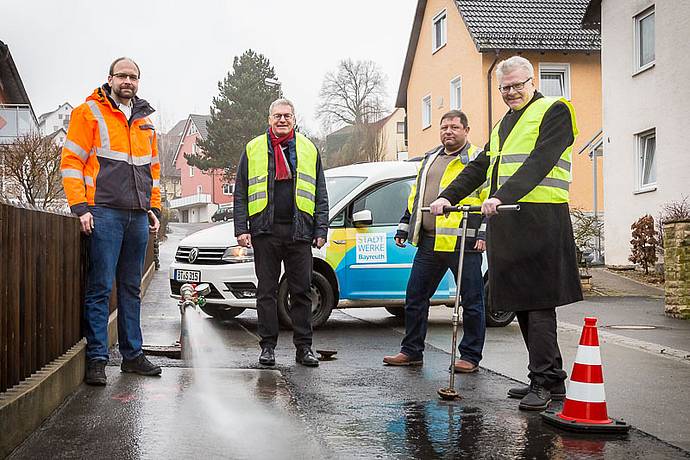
pixel 362 218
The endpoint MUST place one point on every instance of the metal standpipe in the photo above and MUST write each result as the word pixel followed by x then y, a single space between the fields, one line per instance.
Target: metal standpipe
pixel 450 393
pixel 191 298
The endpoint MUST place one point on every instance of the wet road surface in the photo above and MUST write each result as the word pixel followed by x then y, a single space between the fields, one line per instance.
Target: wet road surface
pixel 228 406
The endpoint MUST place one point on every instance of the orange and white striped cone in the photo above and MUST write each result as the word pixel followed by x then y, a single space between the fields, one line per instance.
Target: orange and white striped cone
pixel 584 408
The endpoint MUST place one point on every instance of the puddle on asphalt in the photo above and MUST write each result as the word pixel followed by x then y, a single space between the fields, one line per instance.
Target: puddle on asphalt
pixel 440 430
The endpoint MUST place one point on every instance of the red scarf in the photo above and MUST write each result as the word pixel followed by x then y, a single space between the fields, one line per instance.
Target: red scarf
pixel 282 168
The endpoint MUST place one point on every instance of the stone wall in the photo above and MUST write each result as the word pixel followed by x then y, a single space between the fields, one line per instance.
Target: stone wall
pixel 677 269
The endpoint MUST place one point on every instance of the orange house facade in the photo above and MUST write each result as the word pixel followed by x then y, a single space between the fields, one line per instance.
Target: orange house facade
pixel 453 50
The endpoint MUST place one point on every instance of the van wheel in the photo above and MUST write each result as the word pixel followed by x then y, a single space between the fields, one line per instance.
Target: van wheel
pixel 495 318
pixel 220 312
pixel 398 312
pixel 322 299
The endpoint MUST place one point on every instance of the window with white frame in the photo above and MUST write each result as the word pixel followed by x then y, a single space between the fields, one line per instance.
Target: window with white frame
pixel 192 128
pixel 554 80
pixel 228 189
pixel 438 32
pixel 456 93
pixel 199 189
pixel 191 171
pixel 400 127
pixel 646 160
pixel 426 111
pixel 644 39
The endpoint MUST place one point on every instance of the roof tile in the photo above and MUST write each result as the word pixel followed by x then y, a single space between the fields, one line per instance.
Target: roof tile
pixel 529 24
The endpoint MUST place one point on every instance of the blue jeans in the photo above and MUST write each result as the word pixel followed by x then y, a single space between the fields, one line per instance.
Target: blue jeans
pixel 117 249
pixel 428 269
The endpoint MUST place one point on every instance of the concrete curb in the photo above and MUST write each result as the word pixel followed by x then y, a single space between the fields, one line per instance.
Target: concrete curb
pixel 635 344
pixel 25 406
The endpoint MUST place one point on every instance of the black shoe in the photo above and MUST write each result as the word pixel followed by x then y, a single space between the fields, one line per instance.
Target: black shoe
pixel 306 357
pixel 538 398
pixel 140 365
pixel 95 372
pixel 557 392
pixel 267 357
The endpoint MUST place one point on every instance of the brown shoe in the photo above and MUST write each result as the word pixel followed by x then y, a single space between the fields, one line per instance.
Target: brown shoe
pixel 465 367
pixel 401 359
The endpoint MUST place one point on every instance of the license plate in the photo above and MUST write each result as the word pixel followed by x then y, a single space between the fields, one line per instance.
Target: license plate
pixel 188 275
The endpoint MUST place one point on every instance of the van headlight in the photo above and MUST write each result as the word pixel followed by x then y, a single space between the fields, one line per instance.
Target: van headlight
pixel 238 254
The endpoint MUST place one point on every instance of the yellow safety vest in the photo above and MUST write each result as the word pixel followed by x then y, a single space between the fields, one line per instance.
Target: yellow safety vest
pixel 257 180
pixel 554 188
pixel 447 228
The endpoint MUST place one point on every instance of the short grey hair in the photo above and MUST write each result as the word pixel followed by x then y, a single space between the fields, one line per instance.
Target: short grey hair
pixel 512 64
pixel 281 101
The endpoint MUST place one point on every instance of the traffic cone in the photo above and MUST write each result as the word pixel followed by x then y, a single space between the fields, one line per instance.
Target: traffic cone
pixel 584 408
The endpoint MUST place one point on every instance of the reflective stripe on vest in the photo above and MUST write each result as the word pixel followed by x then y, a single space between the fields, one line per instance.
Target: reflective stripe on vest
pixel 554 188
pixel 447 228
pixel 305 177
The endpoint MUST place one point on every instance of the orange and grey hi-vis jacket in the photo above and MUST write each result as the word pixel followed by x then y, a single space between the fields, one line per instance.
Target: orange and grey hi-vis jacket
pixel 108 160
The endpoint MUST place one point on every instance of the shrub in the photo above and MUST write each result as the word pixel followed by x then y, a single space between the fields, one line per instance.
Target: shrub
pixel 644 243
pixel 672 211
pixel 586 228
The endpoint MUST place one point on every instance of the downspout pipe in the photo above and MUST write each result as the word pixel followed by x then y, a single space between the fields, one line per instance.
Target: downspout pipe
pixel 488 88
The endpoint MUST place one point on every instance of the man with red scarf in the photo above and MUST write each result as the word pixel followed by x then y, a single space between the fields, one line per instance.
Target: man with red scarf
pixel 281 211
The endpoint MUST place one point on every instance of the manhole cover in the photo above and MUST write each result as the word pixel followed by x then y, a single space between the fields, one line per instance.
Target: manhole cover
pixel 639 327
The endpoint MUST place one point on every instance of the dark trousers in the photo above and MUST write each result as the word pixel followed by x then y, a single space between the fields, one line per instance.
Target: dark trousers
pixel 538 329
pixel 428 269
pixel 269 252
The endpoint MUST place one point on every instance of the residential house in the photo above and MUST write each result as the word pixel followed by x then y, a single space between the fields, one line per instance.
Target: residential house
pixel 16 114
pixel 171 186
pixel 645 105
pixel 454 47
pixel 202 192
pixel 50 122
pixel 387 141
pixel 392 136
pixel 58 137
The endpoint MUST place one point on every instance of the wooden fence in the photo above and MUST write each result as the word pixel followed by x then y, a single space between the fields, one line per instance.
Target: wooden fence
pixel 43 262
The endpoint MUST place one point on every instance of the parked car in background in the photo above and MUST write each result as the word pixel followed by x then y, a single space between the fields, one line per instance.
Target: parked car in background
pixel 224 213
pixel 360 266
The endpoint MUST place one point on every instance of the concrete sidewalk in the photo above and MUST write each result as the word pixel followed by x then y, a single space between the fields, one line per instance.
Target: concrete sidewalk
pixel 608 283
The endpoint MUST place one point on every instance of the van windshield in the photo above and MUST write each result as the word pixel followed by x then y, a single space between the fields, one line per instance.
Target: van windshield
pixel 339 187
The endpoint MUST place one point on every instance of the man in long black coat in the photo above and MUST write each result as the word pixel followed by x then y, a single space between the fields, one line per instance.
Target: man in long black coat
pixel 532 261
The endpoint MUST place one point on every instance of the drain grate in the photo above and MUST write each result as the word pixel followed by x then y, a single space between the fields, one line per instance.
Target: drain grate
pixel 635 327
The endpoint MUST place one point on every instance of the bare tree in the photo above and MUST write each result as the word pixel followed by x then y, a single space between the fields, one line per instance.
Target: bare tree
pixel 352 95
pixel 31 171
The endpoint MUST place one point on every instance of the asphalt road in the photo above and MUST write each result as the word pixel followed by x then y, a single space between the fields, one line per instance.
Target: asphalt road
pixel 224 405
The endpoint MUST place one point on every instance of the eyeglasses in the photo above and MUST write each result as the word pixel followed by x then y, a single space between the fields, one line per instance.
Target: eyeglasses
pixel 516 86
pixel 125 76
pixel 287 116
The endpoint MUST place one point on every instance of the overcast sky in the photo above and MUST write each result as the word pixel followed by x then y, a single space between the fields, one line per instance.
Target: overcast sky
pixel 63 48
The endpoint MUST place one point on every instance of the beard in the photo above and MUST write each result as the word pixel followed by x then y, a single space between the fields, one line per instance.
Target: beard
pixel 127 92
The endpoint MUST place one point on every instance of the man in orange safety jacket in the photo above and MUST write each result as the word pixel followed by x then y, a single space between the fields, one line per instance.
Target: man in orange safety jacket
pixel 110 173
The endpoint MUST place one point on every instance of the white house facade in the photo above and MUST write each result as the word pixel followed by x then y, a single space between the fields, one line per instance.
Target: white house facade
pixel 645 69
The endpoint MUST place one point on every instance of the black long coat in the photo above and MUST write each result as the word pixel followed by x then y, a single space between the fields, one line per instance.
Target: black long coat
pixel 532 259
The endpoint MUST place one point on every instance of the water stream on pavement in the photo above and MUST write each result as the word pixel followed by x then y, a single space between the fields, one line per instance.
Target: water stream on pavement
pixel 233 400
